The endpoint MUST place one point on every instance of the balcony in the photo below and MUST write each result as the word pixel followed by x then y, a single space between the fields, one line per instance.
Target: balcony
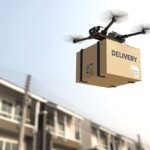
pixel 10 110
pixel 63 126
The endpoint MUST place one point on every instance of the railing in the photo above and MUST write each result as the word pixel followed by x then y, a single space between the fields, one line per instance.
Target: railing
pixel 50 129
pixel 18 118
pixel 15 118
pixel 5 114
pixel 103 147
pixel 60 133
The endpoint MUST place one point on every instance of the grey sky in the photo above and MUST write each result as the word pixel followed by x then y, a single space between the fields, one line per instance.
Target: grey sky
pixel 32 40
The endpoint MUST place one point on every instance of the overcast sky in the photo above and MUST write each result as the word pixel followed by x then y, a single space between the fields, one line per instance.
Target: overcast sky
pixel 33 37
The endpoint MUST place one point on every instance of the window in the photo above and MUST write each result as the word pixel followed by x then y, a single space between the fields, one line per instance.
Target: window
pixel 103 137
pixel 77 130
pixel 94 131
pixel 8 146
pixel 28 117
pixel 14 146
pixel 6 106
pixel 111 146
pixel 77 135
pixel 6 109
pixel 4 145
pixel 18 113
pixel 61 124
pixel 50 122
pixel 1 145
pixel 11 146
pixel 50 119
pixel 117 143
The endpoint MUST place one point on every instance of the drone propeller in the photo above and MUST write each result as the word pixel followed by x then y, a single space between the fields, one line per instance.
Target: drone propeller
pixel 73 38
pixel 118 15
pixel 114 16
pixel 143 28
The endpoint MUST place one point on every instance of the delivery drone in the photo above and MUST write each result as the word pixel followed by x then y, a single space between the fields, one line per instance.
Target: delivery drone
pixel 100 33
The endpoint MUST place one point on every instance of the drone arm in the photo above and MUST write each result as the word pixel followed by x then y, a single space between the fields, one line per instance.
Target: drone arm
pixel 132 34
pixel 75 40
pixel 108 26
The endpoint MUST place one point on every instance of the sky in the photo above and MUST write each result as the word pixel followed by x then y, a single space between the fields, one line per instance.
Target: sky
pixel 33 40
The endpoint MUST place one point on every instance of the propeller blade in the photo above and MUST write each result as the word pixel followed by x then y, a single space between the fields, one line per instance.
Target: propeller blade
pixel 119 15
pixel 145 28
pixel 73 38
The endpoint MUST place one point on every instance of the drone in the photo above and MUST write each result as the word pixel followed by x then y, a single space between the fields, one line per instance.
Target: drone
pixel 100 33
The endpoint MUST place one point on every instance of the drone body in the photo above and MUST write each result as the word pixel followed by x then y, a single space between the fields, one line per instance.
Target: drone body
pixel 98 34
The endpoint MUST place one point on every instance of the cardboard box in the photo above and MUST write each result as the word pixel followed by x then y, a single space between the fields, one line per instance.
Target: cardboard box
pixel 108 64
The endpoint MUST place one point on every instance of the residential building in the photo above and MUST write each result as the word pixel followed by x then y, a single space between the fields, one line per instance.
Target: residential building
pixel 103 138
pixel 11 99
pixel 50 126
pixel 59 128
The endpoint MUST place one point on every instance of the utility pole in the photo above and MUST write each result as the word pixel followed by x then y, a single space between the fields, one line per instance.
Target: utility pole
pixel 139 144
pixel 24 113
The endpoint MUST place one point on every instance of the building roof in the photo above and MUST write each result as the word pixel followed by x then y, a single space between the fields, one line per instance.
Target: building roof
pixel 20 90
pixel 38 98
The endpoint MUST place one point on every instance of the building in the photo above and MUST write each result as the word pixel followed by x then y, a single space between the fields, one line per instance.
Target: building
pixel 58 128
pixel 50 126
pixel 11 99
pixel 103 138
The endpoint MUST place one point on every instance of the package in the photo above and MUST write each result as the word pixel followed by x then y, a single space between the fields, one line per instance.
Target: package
pixel 109 64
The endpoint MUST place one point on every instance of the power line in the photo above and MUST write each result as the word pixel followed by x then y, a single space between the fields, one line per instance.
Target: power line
pixel 13 76
pixel 39 89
